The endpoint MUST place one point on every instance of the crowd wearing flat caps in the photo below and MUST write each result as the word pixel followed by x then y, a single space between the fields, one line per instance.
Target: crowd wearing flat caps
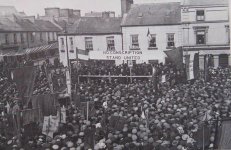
pixel 166 116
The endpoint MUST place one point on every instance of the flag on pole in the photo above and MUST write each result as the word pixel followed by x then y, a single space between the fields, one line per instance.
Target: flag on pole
pixel 207 116
pixel 143 113
pixel 24 78
pixel 149 35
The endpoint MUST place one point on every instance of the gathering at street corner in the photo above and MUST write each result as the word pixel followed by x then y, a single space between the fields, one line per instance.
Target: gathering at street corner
pixel 139 75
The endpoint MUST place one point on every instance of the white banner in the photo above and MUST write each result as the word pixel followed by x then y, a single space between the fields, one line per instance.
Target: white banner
pixel 191 71
pixel 63 115
pixel 50 125
pixel 163 80
pixel 127 55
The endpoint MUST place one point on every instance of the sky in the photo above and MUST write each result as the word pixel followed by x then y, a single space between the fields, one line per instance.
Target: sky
pixel 34 7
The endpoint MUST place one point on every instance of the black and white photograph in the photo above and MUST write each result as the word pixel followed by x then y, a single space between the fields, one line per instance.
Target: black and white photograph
pixel 115 75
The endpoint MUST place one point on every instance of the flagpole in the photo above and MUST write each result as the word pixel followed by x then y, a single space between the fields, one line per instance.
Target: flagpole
pixel 87 109
pixel 109 77
pixel 203 137
pixel 130 74
pixel 68 63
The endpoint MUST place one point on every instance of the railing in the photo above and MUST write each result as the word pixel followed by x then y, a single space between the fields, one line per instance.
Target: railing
pixel 110 78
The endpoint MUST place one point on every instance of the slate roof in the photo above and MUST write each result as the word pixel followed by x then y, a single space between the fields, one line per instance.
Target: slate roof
pixel 46 25
pixel 26 25
pixel 153 14
pixel 205 2
pixel 95 25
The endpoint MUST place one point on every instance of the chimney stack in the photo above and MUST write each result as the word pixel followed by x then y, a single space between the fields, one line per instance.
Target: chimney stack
pixel 52 12
pixel 125 6
pixel 77 13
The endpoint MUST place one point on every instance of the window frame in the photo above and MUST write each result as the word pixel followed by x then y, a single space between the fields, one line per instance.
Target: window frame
pixel 41 36
pixel 15 38
pixel 62 41
pixel 110 43
pixel 32 37
pixel 6 38
pixel 200 17
pixel 88 43
pixel 71 41
pixel 170 41
pixel 48 37
pixel 227 34
pixel 53 36
pixel 22 38
pixel 134 45
pixel 149 41
pixel 205 37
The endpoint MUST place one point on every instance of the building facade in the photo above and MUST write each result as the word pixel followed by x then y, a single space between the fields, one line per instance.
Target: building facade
pixel 90 34
pixel 205 26
pixel 20 33
pixel 23 33
pixel 198 26
pixel 152 27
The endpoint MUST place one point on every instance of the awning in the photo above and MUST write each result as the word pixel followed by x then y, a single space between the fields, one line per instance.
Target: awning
pixel 29 50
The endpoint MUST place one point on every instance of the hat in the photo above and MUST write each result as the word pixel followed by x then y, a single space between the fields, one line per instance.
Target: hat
pixel 63 136
pixel 185 137
pixel 55 147
pixel 70 144
pixel 9 142
pixel 174 142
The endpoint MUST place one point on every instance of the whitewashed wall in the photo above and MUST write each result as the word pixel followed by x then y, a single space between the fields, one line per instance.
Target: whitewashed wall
pixel 99 44
pixel 217 34
pixel 161 37
pixel 211 13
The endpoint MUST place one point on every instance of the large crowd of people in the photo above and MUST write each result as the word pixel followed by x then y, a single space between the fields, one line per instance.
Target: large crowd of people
pixel 108 67
pixel 163 115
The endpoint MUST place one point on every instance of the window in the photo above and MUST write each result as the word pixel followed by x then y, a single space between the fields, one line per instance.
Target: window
pixel 32 36
pixel 71 41
pixel 48 36
pixel 6 39
pixel 200 37
pixel 88 43
pixel 134 42
pixel 170 40
pixel 62 41
pixel 41 36
pixel 227 33
pixel 22 38
pixel 53 36
pixel 62 45
pixel 200 14
pixel 15 38
pixel 152 41
pixel 110 43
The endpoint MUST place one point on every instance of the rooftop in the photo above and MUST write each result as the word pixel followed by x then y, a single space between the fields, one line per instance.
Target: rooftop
pixel 205 2
pixel 20 24
pixel 95 25
pixel 153 14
